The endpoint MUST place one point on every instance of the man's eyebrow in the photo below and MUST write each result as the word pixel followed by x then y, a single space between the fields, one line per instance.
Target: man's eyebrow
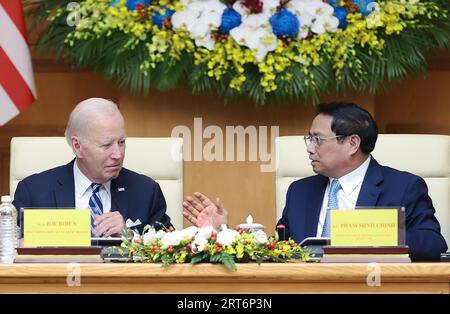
pixel 105 141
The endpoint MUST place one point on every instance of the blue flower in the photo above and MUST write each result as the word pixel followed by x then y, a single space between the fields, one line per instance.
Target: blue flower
pixel 113 3
pixel 285 23
pixel 131 4
pixel 159 18
pixel 230 20
pixel 341 14
pixel 333 3
pixel 364 6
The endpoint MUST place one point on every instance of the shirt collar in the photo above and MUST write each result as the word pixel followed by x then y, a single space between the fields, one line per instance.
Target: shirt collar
pixel 82 183
pixel 352 180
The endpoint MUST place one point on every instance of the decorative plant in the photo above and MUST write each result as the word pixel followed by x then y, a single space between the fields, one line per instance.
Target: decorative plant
pixel 193 245
pixel 283 49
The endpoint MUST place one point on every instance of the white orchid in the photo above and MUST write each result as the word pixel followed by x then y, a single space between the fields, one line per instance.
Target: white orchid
pixel 260 237
pixel 227 236
pixel 255 32
pixel 204 233
pixel 304 15
pixel 200 17
pixel 152 236
pixel 268 9
pixel 188 233
pixel 171 239
pixel 199 245
pixel 314 15
pixel 324 21
pixel 206 42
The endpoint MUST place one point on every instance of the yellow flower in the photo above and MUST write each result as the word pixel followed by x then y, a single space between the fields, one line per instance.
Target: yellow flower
pixel 233 63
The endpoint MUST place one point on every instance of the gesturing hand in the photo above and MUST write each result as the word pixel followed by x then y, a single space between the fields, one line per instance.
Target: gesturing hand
pixel 203 212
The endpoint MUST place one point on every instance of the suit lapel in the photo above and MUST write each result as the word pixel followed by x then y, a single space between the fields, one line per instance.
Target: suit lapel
pixel 64 191
pixel 119 196
pixel 370 189
pixel 314 205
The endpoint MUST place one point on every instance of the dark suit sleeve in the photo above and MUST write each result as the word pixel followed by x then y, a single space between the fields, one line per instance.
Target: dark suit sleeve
pixel 158 209
pixel 284 218
pixel 22 196
pixel 422 228
pixel 22 199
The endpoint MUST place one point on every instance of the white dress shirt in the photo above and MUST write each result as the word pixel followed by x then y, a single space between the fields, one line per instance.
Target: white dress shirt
pixel 348 194
pixel 83 191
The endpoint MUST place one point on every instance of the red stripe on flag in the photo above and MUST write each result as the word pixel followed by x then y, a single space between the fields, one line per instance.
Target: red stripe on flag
pixel 15 11
pixel 13 83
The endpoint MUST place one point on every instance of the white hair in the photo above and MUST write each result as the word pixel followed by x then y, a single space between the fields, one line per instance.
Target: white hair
pixel 85 112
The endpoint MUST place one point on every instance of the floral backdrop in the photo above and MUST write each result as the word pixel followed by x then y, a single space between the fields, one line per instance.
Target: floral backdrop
pixel 283 49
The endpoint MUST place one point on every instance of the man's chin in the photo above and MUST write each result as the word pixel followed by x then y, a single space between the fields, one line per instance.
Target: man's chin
pixel 113 174
pixel 315 168
pixel 319 170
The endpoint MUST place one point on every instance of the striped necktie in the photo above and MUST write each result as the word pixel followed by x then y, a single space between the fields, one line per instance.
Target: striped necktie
pixel 332 204
pixel 95 203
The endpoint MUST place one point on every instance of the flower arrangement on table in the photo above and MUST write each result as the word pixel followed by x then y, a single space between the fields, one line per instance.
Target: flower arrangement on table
pixel 288 49
pixel 195 245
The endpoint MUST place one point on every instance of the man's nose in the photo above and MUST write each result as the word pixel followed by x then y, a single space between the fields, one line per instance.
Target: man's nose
pixel 311 148
pixel 117 152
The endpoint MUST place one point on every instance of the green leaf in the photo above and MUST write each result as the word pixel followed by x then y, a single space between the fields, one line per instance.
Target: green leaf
pixel 228 261
pixel 367 71
pixel 196 259
pixel 216 258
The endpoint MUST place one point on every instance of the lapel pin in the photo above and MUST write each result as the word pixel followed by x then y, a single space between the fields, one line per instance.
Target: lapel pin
pixel 120 189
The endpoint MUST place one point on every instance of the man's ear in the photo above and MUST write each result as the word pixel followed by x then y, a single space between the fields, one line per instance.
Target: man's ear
pixel 354 142
pixel 76 146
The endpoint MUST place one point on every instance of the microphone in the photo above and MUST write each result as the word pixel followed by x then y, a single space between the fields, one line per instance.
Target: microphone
pixel 281 231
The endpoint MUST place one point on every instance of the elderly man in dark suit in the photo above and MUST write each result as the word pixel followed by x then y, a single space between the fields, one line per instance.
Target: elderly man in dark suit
pixel 95 179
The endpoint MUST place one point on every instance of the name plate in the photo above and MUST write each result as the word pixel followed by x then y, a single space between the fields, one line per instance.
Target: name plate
pixel 57 227
pixel 367 227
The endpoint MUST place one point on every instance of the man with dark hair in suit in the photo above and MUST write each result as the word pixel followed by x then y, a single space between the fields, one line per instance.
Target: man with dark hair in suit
pixel 339 143
pixel 118 198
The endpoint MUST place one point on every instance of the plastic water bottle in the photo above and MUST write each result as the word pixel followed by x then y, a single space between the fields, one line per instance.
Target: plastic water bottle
pixel 8 230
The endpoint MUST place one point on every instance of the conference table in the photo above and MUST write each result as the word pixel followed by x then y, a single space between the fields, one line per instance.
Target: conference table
pixel 215 278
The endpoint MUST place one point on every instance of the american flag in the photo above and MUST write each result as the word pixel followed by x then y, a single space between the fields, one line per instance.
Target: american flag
pixel 17 89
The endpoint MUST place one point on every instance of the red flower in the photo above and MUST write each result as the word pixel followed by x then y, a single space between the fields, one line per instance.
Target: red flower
pixel 141 9
pixel 255 6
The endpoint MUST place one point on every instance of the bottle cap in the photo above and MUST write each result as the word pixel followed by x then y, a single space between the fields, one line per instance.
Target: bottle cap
pixel 6 198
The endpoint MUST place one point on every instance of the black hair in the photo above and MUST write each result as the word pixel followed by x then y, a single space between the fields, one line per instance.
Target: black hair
pixel 349 119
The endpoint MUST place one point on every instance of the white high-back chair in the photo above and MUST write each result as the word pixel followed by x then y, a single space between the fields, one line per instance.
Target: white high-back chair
pixel 427 156
pixel 158 158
